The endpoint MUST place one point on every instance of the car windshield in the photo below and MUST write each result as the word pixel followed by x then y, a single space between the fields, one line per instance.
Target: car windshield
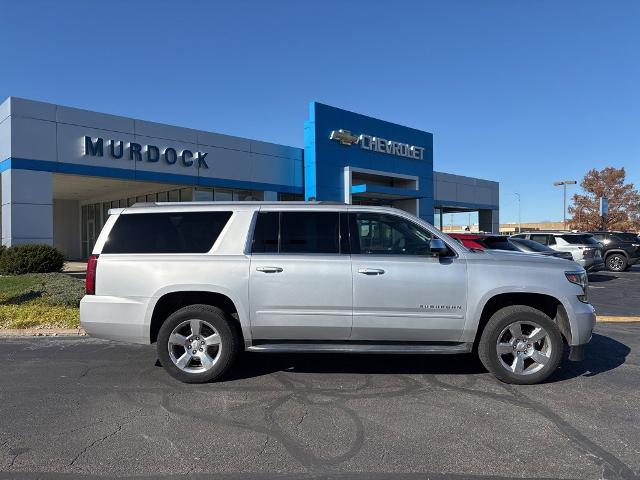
pixel 578 239
pixel 498 243
pixel 530 245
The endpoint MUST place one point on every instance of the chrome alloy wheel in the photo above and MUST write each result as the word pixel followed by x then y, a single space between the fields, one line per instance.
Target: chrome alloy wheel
pixel 524 348
pixel 616 263
pixel 194 346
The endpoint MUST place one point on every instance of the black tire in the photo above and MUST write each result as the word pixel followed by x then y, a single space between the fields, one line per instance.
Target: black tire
pixel 488 350
pixel 616 262
pixel 229 342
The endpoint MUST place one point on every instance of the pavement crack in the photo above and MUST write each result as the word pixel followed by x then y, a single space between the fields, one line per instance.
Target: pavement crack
pixel 613 465
pixel 118 429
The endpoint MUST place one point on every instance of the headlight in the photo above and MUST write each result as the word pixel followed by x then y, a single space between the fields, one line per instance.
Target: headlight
pixel 579 278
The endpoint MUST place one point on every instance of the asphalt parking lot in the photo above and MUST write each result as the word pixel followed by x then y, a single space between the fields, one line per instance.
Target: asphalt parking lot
pixel 616 294
pixel 84 407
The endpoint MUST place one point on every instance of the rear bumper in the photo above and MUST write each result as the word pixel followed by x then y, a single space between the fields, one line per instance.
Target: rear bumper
pixel 592 264
pixel 115 318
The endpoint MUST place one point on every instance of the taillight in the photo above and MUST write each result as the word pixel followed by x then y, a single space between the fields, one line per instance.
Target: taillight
pixel 90 281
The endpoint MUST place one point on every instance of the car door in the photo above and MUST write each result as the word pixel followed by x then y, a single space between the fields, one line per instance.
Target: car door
pixel 300 277
pixel 400 291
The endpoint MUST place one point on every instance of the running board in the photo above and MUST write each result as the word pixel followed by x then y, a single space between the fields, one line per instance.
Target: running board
pixel 359 348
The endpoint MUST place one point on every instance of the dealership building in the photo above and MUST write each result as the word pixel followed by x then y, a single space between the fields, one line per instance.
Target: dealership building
pixel 63 168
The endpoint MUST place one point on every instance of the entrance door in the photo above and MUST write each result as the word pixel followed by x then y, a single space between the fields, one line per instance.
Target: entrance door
pixel 300 277
pixel 400 291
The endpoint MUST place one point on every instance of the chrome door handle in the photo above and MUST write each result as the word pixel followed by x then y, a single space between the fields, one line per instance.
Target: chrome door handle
pixel 269 269
pixel 371 271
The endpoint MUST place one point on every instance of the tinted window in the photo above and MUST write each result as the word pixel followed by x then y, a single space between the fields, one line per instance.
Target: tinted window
pixel 265 235
pixel 382 234
pixel 309 232
pixel 626 237
pixel 180 232
pixel 530 245
pixel 543 239
pixel 498 243
pixel 579 239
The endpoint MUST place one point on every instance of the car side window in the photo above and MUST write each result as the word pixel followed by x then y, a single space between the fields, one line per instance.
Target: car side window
pixel 543 239
pixel 309 232
pixel 385 234
pixel 552 240
pixel 266 233
pixel 298 232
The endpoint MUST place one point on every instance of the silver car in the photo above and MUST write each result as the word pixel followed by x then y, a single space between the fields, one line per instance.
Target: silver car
pixel 584 248
pixel 205 280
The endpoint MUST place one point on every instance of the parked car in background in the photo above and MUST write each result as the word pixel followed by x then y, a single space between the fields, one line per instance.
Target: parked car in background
pixel 620 249
pixel 484 241
pixel 529 246
pixel 583 247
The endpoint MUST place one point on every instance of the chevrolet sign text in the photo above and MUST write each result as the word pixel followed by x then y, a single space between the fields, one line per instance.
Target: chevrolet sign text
pixel 378 144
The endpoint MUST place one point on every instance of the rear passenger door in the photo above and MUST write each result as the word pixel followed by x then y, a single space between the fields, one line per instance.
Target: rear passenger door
pixel 300 276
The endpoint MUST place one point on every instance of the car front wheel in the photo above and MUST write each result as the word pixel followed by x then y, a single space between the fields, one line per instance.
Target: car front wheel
pixel 616 262
pixel 520 345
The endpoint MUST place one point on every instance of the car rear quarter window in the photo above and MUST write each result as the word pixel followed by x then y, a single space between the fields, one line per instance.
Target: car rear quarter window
pixel 577 239
pixel 176 232
pixel 543 239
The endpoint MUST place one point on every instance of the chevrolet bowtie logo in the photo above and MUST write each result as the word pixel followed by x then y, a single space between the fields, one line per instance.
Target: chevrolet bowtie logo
pixel 344 137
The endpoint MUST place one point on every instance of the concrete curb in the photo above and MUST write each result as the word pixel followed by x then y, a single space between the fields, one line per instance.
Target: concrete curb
pixel 60 332
pixel 41 332
pixel 604 318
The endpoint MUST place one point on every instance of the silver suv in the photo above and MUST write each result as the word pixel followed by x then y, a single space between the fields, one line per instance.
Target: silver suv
pixel 584 248
pixel 206 280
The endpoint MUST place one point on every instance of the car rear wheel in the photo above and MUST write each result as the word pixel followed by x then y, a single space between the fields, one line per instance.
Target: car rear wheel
pixel 616 262
pixel 197 344
pixel 520 345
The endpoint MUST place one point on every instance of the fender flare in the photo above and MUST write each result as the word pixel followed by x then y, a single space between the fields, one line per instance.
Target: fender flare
pixel 243 315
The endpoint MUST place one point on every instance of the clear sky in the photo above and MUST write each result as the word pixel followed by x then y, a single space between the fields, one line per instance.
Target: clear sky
pixel 520 92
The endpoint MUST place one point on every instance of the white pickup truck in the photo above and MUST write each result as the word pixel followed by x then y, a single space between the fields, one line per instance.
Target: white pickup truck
pixel 205 280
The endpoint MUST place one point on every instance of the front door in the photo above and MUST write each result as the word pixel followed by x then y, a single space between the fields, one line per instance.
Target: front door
pixel 300 277
pixel 400 291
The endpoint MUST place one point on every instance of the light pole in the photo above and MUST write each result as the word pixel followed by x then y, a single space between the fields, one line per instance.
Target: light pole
pixel 564 184
pixel 519 219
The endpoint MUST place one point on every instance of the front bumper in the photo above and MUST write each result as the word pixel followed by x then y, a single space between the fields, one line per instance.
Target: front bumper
pixel 582 319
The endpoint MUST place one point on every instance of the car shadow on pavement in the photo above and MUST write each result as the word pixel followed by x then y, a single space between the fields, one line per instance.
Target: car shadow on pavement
pixel 603 354
pixel 601 277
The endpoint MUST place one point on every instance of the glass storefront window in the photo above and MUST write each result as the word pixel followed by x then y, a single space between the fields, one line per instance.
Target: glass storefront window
pixel 163 197
pixel 290 197
pixel 223 195
pixel 174 195
pixel 247 195
pixel 203 195
pixel 185 195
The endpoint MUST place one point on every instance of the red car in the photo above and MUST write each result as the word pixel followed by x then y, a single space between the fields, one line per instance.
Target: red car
pixel 484 241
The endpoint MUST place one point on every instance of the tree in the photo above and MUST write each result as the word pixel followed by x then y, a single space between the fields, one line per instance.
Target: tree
pixel 624 202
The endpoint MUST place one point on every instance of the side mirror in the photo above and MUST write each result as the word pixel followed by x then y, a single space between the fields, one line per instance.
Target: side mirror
pixel 438 247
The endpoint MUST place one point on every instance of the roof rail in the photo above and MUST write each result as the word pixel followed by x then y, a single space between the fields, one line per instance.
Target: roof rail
pixel 251 202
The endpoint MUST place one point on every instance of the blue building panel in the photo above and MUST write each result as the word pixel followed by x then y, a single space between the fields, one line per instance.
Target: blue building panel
pixel 369 144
